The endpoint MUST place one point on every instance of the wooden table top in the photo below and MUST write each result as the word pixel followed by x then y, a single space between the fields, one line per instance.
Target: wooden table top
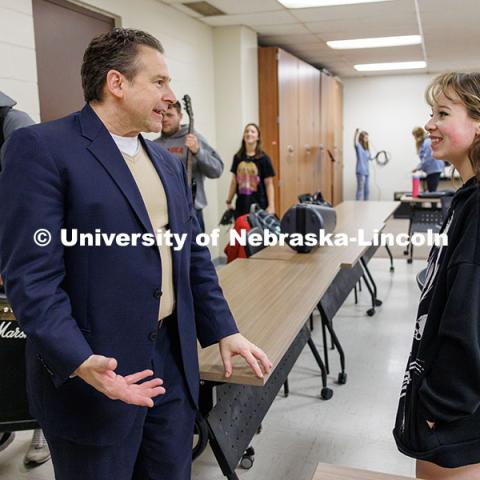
pixel 409 199
pixel 270 301
pixel 334 472
pixel 351 216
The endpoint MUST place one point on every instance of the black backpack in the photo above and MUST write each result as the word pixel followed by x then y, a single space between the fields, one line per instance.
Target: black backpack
pixel 263 220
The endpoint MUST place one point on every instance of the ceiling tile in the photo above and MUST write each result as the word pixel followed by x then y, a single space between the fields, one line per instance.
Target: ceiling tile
pixel 354 12
pixel 252 19
pixel 233 7
pixel 284 29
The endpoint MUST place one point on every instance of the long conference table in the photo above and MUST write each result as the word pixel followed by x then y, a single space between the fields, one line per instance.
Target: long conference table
pixel 272 295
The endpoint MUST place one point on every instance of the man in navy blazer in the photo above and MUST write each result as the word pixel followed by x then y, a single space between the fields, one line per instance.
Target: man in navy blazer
pixel 114 388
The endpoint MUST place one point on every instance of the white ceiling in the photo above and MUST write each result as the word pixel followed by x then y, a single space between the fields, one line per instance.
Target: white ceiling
pixel 450 29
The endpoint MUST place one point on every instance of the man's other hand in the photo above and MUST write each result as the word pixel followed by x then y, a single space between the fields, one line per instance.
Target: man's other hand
pixel 192 144
pixel 99 372
pixel 237 344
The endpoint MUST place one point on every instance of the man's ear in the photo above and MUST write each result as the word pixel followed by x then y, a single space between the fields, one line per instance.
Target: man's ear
pixel 115 83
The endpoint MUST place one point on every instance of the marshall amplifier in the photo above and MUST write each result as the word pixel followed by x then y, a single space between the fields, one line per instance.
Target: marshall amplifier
pixel 14 414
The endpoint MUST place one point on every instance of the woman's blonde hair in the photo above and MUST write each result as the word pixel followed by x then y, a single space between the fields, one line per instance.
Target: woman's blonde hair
pixel 420 135
pixel 466 88
pixel 363 141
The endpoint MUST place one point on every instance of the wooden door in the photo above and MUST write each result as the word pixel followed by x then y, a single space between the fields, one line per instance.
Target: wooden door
pixel 337 118
pixel 288 98
pixel 306 131
pixel 317 133
pixel 63 31
pixel 326 140
pixel 268 106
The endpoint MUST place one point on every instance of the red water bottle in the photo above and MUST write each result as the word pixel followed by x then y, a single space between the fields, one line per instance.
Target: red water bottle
pixel 415 186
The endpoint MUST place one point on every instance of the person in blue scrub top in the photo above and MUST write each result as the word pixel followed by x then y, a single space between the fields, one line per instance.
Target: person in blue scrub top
pixel 360 141
pixel 433 168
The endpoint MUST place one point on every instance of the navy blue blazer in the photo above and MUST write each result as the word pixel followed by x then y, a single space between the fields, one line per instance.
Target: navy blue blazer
pixel 72 302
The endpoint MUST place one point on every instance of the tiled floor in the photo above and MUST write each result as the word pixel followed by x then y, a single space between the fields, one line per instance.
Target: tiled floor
pixel 353 428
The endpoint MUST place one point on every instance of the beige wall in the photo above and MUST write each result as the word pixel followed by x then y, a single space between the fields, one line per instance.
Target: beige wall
pixel 387 107
pixel 18 67
pixel 236 95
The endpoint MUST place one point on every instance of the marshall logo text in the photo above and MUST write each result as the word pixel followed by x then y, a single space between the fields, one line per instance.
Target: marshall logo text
pixel 6 330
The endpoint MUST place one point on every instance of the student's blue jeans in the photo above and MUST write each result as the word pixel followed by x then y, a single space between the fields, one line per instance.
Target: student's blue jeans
pixel 362 187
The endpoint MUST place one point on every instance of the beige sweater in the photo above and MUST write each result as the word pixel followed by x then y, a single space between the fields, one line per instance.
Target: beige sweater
pixel 155 200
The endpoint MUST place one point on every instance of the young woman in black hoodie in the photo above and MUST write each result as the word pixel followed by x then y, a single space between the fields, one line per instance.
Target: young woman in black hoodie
pixel 438 419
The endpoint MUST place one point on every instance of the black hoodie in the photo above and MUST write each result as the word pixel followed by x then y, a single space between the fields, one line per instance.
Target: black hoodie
pixel 442 380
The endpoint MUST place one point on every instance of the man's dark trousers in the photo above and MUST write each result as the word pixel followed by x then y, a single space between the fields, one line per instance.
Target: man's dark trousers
pixel 159 446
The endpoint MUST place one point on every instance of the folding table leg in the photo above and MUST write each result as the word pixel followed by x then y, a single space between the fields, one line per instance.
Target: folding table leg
pixel 325 346
pixel 326 392
pixel 342 376
pixel 372 289
pixel 392 268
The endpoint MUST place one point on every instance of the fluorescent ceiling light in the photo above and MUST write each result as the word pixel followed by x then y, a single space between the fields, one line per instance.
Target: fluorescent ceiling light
pixel 323 3
pixel 375 42
pixel 375 67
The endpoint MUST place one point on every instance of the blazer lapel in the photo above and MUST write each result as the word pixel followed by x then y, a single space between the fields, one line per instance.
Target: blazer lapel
pixel 106 152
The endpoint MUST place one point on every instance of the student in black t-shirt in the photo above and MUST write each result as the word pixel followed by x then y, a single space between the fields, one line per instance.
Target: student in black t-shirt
pixel 252 180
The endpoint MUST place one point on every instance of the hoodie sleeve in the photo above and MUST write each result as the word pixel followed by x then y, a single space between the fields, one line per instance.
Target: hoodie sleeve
pixel 207 159
pixel 14 120
pixel 451 387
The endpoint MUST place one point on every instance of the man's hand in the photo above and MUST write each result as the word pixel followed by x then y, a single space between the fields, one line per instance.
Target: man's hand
pixel 237 344
pixel 430 424
pixel 271 210
pixel 99 372
pixel 192 143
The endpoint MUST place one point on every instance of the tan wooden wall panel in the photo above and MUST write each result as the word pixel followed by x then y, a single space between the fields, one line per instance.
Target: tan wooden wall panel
pixel 288 114
pixel 326 163
pixel 335 472
pixel 306 130
pixel 301 122
pixel 268 99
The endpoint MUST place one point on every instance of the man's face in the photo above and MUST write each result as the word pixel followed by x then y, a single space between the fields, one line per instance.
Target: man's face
pixel 171 121
pixel 147 97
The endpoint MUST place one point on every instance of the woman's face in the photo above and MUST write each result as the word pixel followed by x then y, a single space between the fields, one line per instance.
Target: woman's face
pixel 250 135
pixel 451 130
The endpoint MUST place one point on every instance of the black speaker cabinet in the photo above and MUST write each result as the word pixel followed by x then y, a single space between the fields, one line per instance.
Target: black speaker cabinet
pixel 14 414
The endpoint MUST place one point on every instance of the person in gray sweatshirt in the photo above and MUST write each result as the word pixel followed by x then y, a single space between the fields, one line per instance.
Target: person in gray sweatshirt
pixel 205 160
pixel 10 120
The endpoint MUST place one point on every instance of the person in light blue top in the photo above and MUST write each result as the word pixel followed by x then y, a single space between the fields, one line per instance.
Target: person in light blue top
pixel 433 168
pixel 360 141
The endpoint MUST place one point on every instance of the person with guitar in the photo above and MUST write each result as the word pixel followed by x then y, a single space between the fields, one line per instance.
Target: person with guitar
pixel 205 161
